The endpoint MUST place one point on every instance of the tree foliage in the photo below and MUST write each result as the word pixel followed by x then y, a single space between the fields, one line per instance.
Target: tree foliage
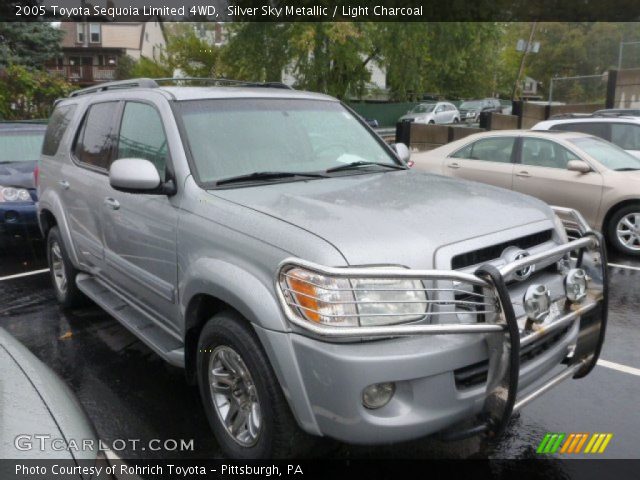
pixel 29 93
pixel 28 43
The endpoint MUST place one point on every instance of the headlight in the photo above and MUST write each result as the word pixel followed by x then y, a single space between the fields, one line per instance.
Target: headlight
pixel 11 194
pixel 352 302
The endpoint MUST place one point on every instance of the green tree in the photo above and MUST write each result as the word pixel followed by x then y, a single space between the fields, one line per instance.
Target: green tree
pixel 27 93
pixel 28 43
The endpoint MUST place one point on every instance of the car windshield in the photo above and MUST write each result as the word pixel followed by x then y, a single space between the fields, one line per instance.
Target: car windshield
pixel 20 146
pixel 608 154
pixel 423 108
pixel 470 105
pixel 235 137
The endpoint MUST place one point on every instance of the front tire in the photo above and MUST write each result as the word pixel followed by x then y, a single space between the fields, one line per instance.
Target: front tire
pixel 63 273
pixel 456 120
pixel 244 403
pixel 623 231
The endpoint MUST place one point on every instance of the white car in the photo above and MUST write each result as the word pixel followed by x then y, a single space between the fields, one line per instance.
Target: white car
pixel 440 112
pixel 623 131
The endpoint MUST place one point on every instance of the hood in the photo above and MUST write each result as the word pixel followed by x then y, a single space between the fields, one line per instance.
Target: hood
pixel 17 174
pixel 370 218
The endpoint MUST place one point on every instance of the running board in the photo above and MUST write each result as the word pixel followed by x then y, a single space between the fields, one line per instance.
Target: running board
pixel 161 342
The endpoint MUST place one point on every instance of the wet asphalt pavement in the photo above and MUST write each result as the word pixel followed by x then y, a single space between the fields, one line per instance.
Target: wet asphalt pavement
pixel 130 393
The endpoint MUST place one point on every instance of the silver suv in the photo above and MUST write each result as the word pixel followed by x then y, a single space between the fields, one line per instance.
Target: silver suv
pixel 269 242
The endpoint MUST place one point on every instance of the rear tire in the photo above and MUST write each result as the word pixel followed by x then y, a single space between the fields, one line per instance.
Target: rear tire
pixel 623 230
pixel 244 403
pixel 63 273
pixel 456 120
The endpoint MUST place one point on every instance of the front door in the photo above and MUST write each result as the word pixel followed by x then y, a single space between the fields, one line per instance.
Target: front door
pixel 140 230
pixel 542 172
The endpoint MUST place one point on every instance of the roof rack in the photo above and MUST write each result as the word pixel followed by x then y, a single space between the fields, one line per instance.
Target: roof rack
pixel 613 114
pixel 155 83
pixel 120 84
pixel 570 115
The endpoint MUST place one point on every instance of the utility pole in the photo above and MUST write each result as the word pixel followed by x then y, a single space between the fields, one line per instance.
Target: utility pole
pixel 524 56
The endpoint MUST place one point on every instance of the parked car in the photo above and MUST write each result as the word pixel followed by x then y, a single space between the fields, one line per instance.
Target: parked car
pixel 622 131
pixel 620 112
pixel 250 236
pixel 39 413
pixel 562 168
pixel 470 110
pixel 440 112
pixel 20 145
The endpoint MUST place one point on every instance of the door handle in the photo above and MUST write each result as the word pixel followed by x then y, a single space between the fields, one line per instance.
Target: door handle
pixel 64 184
pixel 453 165
pixel 112 203
pixel 523 174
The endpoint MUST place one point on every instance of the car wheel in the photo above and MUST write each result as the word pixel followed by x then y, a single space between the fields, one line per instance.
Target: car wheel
pixel 244 403
pixel 431 122
pixel 456 120
pixel 63 273
pixel 624 230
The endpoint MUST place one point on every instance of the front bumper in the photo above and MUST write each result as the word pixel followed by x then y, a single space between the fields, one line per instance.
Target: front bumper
pixel 18 218
pixel 515 362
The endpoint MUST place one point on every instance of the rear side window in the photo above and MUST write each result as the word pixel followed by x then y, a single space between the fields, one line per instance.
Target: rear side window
pixel 597 129
pixel 58 124
pixel 626 136
pixel 142 136
pixel 496 149
pixel 93 146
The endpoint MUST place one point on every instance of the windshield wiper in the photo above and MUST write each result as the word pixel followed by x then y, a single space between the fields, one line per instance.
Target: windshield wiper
pixel 627 169
pixel 355 165
pixel 256 176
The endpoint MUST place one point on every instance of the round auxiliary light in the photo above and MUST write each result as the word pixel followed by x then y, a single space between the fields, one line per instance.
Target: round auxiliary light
pixel 378 395
pixel 537 302
pixel 575 285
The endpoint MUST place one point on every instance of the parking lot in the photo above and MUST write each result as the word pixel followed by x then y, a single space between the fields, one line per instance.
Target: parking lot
pixel 130 393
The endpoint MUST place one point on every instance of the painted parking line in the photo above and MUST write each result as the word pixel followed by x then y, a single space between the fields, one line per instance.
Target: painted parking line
pixel 628 267
pixel 25 274
pixel 619 367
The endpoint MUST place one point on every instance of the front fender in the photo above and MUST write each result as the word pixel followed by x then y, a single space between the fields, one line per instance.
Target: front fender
pixel 235 286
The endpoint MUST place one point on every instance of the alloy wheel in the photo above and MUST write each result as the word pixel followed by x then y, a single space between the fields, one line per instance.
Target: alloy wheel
pixel 234 396
pixel 628 231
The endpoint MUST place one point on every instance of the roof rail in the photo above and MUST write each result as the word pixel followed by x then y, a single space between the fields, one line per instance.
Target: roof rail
pixel 155 83
pixel 613 114
pixel 570 115
pixel 224 81
pixel 133 83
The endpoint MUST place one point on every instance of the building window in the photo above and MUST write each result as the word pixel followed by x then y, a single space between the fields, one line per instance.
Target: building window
pixel 94 32
pixel 80 32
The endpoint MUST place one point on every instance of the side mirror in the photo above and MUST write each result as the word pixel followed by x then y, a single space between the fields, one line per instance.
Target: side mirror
pixel 134 175
pixel 402 151
pixel 578 166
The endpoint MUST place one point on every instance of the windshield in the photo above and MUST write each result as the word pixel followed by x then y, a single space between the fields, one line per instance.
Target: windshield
pixel 20 146
pixel 232 137
pixel 423 108
pixel 471 105
pixel 608 154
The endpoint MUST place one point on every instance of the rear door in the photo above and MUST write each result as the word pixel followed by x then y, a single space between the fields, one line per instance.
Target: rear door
pixel 488 160
pixel 140 230
pixel 542 172
pixel 84 181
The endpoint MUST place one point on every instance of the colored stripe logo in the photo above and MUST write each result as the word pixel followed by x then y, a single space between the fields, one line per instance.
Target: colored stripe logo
pixel 574 443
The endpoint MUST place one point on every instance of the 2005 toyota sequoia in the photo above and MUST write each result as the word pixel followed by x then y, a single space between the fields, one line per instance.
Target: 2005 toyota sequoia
pixel 271 244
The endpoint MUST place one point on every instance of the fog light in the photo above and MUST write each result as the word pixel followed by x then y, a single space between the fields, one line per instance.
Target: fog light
pixel 378 395
pixel 575 285
pixel 537 302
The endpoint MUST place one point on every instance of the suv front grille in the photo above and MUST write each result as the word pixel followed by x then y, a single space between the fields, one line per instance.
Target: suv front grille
pixel 488 254
pixel 476 374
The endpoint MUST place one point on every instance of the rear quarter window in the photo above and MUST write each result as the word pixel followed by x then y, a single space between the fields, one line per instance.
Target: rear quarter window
pixel 58 124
